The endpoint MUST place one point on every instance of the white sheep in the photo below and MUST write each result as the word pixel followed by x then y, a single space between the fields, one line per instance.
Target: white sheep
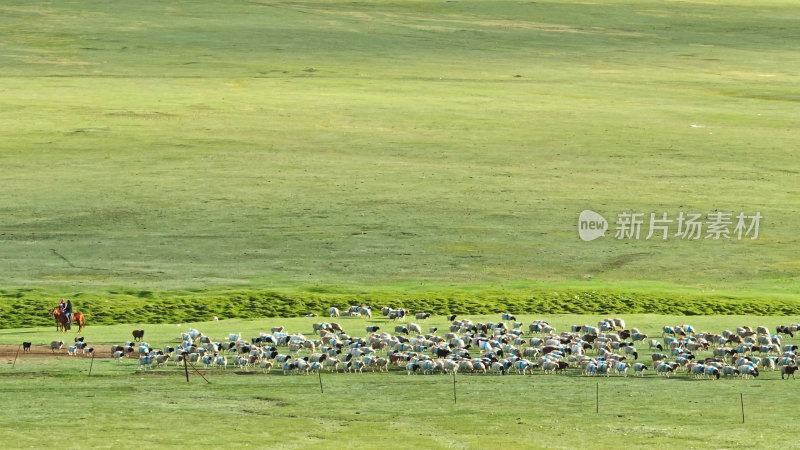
pixel 146 362
pixel 222 361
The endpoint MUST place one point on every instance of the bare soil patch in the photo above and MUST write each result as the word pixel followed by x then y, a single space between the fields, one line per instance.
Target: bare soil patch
pixel 44 351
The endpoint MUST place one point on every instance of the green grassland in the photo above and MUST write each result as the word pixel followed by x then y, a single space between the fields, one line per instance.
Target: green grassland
pixel 119 406
pixel 393 149
pixel 167 162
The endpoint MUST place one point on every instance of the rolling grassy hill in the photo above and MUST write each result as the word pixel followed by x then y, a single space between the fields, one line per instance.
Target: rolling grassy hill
pixel 394 148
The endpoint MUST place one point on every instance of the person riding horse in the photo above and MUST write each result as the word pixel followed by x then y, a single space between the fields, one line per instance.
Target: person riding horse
pixel 64 316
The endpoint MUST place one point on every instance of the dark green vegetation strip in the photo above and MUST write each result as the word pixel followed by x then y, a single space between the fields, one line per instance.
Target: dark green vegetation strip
pixel 28 308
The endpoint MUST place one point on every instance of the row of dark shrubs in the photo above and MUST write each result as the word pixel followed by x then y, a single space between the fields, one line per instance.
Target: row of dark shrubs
pixel 30 309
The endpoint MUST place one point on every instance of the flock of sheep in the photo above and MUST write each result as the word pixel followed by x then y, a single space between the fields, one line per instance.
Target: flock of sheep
pixel 482 348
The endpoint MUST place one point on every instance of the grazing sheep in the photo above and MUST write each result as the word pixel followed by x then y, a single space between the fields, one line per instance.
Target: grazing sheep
pixel 411 368
pixel 221 361
pixel 241 361
pixel 537 326
pixel 744 331
pixel 382 364
pixel 561 366
pixel 314 367
pixel 748 371
pixel 523 366
pixel 138 335
pixel 208 360
pixel 730 371
pixel 604 367
pixel 652 343
pixel 788 370
pixel 414 328
pixel 665 369
pixel 398 314
pixel 319 327
pixel 421 316
pixel 354 366
pixel 195 334
pixel 606 325
pixel 288 367
pixel 310 345
pixel 548 329
pixel 498 368
pixel 333 312
pixel 658 357
pixel 365 311
pixel 295 347
pixel 711 371
pixel 723 352
pixel 549 366
pixel 193 357
pixel 785 330
pixel 146 362
pixel 478 366
pixel 161 359
pixel 332 364
pixel 630 350
pixel 265 365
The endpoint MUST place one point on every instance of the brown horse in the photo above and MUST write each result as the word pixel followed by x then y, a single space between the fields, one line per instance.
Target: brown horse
pixel 63 324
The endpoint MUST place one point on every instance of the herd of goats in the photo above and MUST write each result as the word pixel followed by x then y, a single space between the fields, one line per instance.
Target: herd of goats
pixel 480 348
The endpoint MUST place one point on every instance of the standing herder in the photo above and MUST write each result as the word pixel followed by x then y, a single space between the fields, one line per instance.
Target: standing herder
pixel 68 313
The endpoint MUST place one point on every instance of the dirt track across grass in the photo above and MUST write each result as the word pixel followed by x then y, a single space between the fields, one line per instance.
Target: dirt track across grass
pixel 44 351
